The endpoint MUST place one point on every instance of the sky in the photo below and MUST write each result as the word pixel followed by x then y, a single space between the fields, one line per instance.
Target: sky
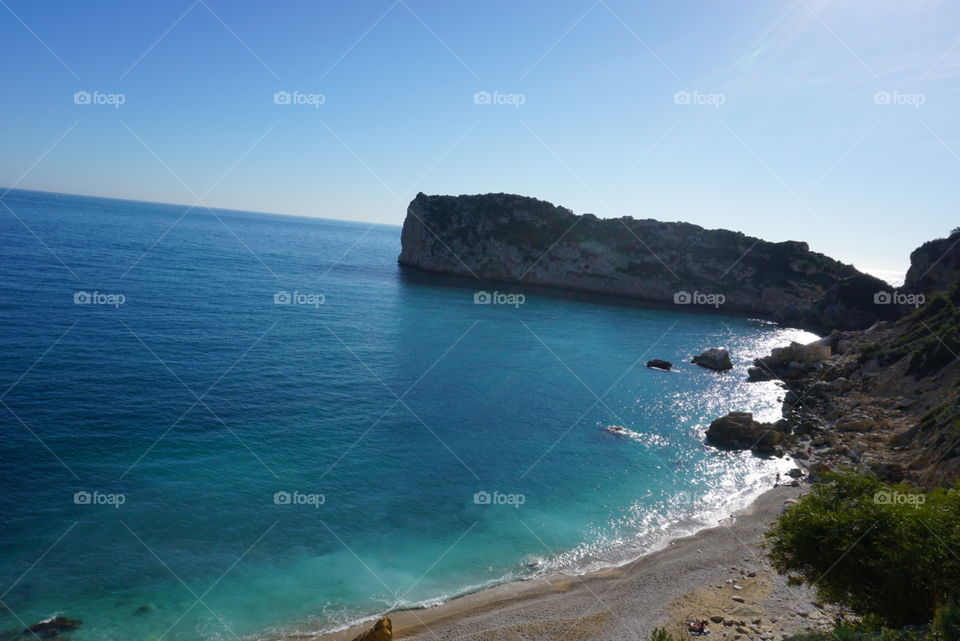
pixel 828 121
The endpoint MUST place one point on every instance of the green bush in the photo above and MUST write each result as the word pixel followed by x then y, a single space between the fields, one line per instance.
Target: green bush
pixel 946 621
pixel 888 552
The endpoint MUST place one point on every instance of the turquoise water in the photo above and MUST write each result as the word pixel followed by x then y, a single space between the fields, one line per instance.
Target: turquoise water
pixel 183 408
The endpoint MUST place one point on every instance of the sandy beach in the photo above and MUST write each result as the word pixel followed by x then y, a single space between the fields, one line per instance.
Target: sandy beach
pixel 717 572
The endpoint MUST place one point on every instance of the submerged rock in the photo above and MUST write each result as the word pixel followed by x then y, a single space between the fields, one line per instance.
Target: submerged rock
pixel 52 627
pixel 382 630
pixel 716 358
pixel 659 364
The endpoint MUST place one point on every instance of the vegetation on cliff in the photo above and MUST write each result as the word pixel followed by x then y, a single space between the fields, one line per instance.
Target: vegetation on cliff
pixel 520 239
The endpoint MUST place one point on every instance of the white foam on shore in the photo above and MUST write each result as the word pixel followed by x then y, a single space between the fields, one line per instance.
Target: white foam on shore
pixel 586 558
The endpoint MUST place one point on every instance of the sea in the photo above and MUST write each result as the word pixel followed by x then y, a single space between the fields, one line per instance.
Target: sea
pixel 222 424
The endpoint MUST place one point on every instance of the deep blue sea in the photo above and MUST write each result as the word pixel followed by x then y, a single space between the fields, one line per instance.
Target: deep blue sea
pixel 230 424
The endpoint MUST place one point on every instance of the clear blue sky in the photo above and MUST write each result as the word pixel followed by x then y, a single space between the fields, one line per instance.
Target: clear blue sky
pixel 800 147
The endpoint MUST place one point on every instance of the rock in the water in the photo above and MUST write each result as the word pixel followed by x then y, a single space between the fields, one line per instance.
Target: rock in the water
pixel 716 358
pixel 659 364
pixel 795 473
pixel 738 430
pixel 755 374
pixel 382 630
pixel 52 627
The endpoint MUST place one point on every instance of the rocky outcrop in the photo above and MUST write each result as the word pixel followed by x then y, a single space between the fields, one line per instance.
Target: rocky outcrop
pixel 382 630
pixel 791 361
pixel 934 266
pixel 52 627
pixel 885 400
pixel 738 431
pixel 715 358
pixel 510 238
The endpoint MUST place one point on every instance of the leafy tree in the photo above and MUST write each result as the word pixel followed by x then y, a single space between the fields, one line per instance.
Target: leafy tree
pixel 887 552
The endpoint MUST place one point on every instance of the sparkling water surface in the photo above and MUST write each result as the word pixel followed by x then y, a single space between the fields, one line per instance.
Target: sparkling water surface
pixel 190 453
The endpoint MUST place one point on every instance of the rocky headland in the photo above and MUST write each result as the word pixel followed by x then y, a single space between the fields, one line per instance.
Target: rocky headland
pixel 517 239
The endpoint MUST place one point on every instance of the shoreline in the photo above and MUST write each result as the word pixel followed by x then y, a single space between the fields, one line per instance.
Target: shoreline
pixel 628 600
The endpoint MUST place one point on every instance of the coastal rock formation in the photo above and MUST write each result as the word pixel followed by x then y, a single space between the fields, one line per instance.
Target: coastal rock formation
pixel 659 364
pixel 382 630
pixel 934 266
pixel 791 361
pixel 886 400
pixel 504 237
pixel 716 358
pixel 52 627
pixel 738 430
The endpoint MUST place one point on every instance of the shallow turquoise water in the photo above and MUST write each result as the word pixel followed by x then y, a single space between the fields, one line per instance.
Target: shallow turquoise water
pixel 381 413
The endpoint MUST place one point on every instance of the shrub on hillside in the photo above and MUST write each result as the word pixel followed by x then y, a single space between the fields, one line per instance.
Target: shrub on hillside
pixel 890 552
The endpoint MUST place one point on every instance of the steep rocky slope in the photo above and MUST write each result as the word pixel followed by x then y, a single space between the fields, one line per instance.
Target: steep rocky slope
pixel 886 399
pixel 518 239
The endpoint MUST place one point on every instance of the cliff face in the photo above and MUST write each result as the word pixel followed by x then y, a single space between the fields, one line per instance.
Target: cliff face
pixel 934 266
pixel 518 239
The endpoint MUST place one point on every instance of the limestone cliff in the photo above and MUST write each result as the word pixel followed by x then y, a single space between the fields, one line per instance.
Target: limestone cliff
pixel 934 266
pixel 518 239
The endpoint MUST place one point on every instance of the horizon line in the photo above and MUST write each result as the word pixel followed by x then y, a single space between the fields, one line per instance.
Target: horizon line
pixel 7 190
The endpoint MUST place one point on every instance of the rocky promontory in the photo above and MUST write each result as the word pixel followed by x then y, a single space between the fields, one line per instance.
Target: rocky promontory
pixel 517 239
